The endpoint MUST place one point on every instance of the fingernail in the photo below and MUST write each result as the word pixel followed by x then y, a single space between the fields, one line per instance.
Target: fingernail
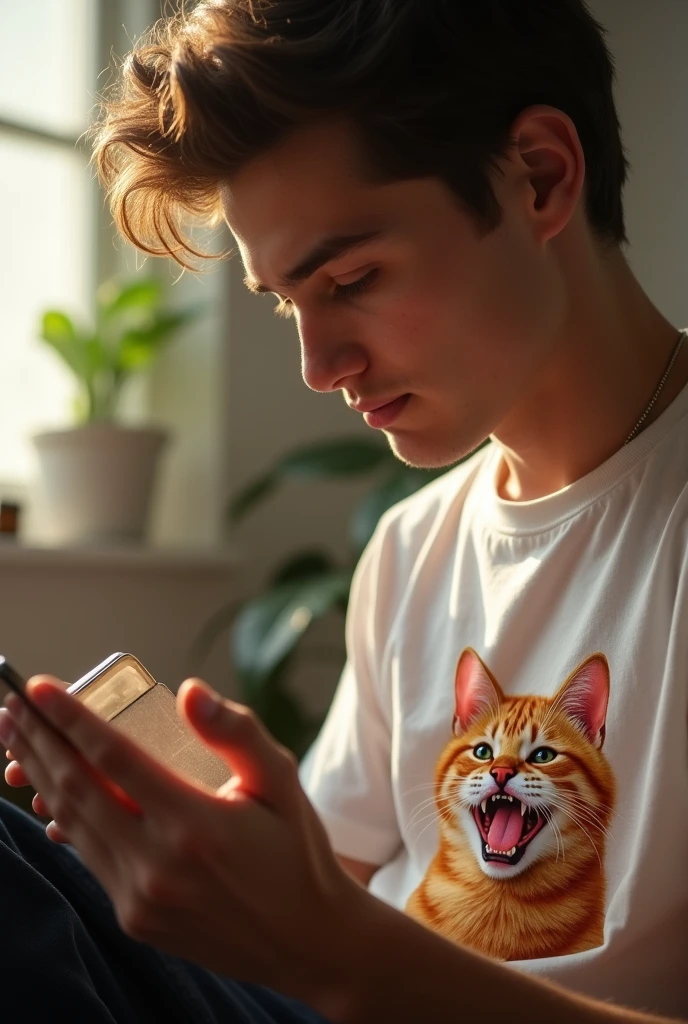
pixel 207 704
pixel 45 696
pixel 13 703
pixel 7 731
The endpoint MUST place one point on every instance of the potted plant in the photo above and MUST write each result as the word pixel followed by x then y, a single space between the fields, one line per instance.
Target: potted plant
pixel 96 478
pixel 267 631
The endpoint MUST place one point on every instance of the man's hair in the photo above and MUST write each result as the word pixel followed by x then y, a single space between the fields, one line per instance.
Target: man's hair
pixel 432 88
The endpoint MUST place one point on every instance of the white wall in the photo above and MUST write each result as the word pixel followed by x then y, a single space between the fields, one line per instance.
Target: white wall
pixel 648 39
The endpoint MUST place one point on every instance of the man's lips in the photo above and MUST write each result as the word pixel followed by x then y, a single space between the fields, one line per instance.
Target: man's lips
pixel 381 414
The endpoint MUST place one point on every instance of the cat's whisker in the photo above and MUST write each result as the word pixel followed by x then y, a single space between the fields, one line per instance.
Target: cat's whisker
pixel 604 809
pixel 420 808
pixel 433 819
pixel 414 789
pixel 573 818
pixel 549 818
pixel 419 821
pixel 592 821
pixel 579 805
pixel 584 811
pixel 560 841
pixel 551 710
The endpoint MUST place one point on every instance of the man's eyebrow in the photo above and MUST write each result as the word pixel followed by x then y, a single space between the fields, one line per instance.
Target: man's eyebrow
pixel 329 249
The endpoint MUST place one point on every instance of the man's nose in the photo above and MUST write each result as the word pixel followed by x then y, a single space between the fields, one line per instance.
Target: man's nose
pixel 328 364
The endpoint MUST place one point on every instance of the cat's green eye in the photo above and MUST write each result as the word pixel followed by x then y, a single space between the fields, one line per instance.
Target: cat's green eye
pixel 543 755
pixel 483 752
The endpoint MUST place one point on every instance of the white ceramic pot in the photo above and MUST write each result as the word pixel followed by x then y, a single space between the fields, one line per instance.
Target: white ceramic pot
pixel 96 483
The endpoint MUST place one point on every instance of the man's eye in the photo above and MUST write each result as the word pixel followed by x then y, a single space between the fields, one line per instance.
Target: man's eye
pixel 357 287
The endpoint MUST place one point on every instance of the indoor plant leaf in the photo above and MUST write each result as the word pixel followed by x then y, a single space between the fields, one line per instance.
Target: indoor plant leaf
pixel 303 565
pixel 392 489
pixel 202 643
pixel 346 456
pixel 281 713
pixel 115 297
pixel 58 330
pixel 140 346
pixel 251 495
pixel 337 458
pixel 270 625
pixel 406 480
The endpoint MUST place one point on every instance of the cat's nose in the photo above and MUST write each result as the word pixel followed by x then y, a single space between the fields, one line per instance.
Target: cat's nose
pixel 501 773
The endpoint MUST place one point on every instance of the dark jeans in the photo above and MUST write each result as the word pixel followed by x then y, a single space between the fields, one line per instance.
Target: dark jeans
pixel 63 956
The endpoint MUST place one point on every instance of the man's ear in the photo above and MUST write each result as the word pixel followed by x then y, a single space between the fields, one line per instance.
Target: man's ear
pixel 546 145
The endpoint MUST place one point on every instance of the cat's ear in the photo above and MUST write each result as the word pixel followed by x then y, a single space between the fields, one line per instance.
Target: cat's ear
pixel 584 697
pixel 475 690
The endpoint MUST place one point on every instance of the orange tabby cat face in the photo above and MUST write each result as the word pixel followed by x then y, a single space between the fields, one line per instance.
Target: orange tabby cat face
pixel 525 779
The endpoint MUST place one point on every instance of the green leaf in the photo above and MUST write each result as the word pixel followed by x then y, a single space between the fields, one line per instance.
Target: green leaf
pixel 251 495
pixel 81 407
pixel 302 566
pixel 406 480
pixel 327 459
pixel 269 627
pixel 58 331
pixel 95 356
pixel 400 485
pixel 140 346
pixel 115 297
pixel 200 647
pixel 339 457
pixel 282 715
pixel 57 327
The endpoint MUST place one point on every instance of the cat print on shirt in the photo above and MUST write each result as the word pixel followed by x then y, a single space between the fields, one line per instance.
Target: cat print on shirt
pixel 525 796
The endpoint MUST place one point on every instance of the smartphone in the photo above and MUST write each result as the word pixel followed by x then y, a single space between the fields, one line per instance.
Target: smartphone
pixel 17 684
pixel 123 692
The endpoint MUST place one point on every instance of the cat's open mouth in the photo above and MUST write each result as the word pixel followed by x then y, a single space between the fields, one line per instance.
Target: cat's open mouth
pixel 506 827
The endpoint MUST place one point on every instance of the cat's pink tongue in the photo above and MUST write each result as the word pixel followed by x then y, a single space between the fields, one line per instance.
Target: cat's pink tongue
pixel 505 830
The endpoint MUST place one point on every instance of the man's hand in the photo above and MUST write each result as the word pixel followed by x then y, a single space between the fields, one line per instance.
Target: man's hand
pixel 242 880
pixel 15 776
pixel 358 869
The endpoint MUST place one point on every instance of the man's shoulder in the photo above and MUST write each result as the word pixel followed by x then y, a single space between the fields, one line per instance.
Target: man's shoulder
pixel 446 494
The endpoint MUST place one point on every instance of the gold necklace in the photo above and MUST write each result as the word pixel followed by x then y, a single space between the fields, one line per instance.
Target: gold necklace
pixel 661 384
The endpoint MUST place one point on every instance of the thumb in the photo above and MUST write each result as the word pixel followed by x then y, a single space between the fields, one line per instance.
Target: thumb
pixel 262 767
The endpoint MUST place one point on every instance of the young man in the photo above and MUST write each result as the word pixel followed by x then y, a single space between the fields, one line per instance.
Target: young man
pixel 433 188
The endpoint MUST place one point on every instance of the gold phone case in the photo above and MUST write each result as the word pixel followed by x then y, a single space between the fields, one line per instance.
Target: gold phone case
pixel 123 692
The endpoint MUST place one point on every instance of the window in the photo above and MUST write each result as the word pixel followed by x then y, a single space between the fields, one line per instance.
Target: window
pixel 49 258
pixel 58 243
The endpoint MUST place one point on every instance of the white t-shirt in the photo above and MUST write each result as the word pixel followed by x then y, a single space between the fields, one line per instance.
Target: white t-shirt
pixel 537 589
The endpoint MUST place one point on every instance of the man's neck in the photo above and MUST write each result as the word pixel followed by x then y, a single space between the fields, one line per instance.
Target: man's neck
pixel 605 366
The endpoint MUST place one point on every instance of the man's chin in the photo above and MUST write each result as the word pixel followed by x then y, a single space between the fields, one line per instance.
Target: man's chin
pixel 422 453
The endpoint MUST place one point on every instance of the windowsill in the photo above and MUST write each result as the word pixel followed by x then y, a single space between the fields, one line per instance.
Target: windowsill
pixel 218 561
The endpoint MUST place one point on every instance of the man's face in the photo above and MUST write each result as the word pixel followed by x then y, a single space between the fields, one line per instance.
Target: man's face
pixel 400 300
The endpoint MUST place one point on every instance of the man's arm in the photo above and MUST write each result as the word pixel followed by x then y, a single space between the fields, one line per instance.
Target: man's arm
pixel 358 869
pixel 393 968
pixel 195 873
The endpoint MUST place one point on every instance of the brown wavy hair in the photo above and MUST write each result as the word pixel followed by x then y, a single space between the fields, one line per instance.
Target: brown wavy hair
pixel 431 86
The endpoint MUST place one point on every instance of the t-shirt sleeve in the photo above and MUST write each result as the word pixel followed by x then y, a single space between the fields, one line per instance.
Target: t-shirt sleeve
pixel 347 771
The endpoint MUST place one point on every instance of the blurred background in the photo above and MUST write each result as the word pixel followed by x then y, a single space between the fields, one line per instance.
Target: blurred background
pixel 227 389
